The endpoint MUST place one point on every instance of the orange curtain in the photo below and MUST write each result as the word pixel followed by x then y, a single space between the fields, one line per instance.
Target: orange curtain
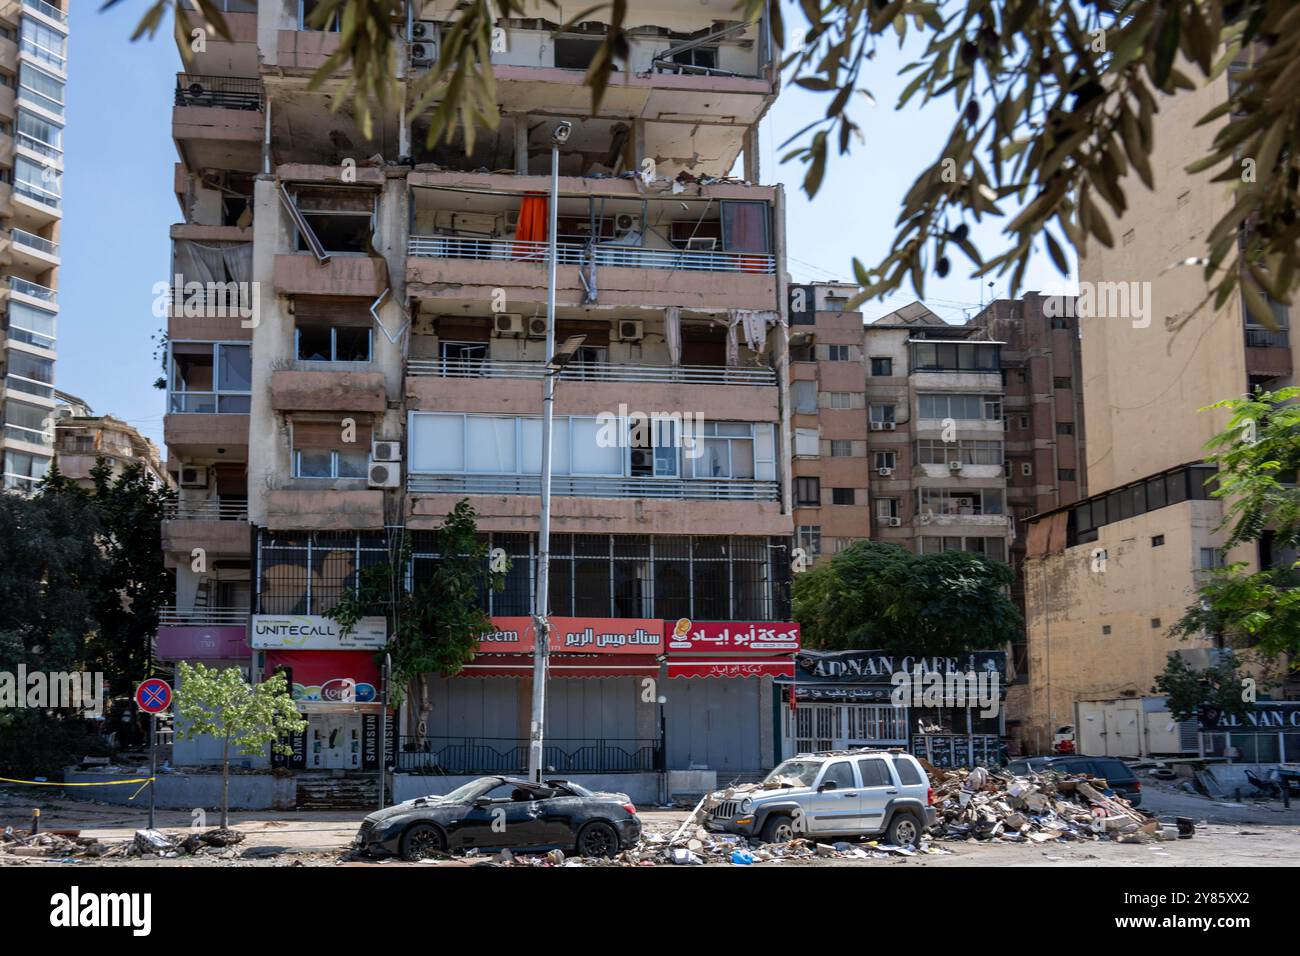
pixel 532 227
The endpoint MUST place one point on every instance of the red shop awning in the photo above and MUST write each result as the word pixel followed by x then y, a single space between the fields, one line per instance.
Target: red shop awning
pixel 769 667
pixel 564 665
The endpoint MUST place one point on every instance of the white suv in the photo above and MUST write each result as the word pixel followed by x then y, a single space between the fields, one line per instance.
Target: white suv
pixel 838 793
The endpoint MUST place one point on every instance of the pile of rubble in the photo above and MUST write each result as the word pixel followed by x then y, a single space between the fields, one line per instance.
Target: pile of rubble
pixel 148 844
pixel 986 804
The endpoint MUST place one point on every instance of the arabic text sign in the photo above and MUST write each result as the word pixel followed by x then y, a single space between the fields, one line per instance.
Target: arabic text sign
pixel 748 637
pixel 311 632
pixel 577 635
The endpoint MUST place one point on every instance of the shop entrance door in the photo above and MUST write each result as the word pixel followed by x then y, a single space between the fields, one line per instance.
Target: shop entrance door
pixel 818 727
pixel 334 742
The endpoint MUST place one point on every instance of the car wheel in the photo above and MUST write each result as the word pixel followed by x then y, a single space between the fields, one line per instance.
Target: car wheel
pixel 905 830
pixel 597 839
pixel 421 841
pixel 778 828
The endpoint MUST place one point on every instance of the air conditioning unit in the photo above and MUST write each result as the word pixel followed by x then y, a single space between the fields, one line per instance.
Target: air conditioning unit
pixel 424 42
pixel 384 474
pixel 630 330
pixel 889 426
pixel 508 324
pixel 625 222
pixel 895 522
pixel 954 466
pixel 882 426
pixel 884 472
pixel 510 220
pixel 963 502
pixel 643 458
pixel 386 451
pixel 192 477
pixel 537 328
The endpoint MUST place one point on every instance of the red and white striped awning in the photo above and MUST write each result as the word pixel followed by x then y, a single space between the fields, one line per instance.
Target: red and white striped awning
pixel 564 665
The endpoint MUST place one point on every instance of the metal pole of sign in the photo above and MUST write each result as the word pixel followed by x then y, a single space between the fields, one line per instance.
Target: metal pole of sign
pixel 153 765
pixel 541 599
pixel 383 730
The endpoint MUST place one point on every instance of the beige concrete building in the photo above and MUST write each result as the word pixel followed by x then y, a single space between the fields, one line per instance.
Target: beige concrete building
pixel 82 439
pixel 33 76
pixel 384 359
pixel 1149 366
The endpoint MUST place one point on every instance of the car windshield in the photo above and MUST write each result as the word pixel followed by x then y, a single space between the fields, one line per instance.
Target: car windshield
pixel 793 773
pixel 469 792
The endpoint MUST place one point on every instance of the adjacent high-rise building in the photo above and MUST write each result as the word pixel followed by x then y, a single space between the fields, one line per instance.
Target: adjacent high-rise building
pixel 33 76
pixel 381 357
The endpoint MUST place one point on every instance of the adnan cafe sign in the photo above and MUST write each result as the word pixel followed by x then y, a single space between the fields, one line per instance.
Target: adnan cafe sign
pixel 731 649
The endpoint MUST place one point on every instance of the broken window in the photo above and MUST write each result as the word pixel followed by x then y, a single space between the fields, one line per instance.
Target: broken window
pixel 745 226
pixel 575 53
pixel 340 220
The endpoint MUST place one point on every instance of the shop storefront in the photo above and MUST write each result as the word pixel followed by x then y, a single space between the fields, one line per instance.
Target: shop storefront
pixel 841 699
pixel 219 647
pixel 1269 732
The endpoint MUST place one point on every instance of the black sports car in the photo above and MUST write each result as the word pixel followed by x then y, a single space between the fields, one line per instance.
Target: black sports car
pixel 496 813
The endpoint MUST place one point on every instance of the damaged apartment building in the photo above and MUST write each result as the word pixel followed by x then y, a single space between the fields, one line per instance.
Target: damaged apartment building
pixel 356 343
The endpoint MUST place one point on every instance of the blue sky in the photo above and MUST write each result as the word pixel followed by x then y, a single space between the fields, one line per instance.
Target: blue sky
pixel 118 204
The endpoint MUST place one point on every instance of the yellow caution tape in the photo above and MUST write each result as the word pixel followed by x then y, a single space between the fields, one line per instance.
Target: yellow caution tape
pixel 45 783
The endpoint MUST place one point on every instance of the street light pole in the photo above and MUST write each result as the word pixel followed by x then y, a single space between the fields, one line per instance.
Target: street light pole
pixel 541 596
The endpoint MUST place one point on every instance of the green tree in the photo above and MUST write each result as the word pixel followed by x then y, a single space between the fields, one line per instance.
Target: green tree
pixel 878 595
pixel 1052 105
pixel 1258 455
pixel 1204 695
pixel 221 704
pixel 436 625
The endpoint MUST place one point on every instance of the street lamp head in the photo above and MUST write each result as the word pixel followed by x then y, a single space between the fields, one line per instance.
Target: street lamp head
pixel 560 135
pixel 565 353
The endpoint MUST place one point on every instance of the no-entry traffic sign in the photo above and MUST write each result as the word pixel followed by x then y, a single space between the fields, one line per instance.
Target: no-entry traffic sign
pixel 153 696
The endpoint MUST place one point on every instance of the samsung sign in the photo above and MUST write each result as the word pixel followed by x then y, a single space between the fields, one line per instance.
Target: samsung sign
pixel 311 632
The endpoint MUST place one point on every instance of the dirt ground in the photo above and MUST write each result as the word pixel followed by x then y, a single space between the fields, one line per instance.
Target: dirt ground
pixel 1250 833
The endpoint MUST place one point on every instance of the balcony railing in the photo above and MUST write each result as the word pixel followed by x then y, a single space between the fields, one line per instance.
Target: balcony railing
pixel 579 486
pixel 221 92
pixel 209 403
pixel 33 436
pixel 44 54
pixel 18 383
pixel 31 338
pixel 211 509
pixel 592 372
pixel 33 289
pixel 38 145
pixel 35 193
pixel 46 10
pixel 626 257
pixel 24 483
pixel 34 242
pixel 1268 338
pixel 491 755
pixel 203 616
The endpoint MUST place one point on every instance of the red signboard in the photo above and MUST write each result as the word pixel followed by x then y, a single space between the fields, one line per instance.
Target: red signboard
pixel 190 643
pixel 731 637
pixel 564 665
pixel 330 676
pixel 577 635
pixel 731 668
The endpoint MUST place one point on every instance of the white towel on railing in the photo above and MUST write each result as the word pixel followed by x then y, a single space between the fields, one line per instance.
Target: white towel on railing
pixel 673 334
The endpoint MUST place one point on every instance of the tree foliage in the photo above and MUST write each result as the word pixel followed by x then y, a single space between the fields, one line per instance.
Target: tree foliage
pixel 1054 112
pixel 435 625
pixel 1258 455
pixel 878 595
pixel 1204 695
pixel 248 717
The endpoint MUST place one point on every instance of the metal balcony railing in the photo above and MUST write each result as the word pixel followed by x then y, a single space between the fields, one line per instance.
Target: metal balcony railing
pixel 34 242
pixel 33 289
pixel 38 145
pixel 221 92
pixel 47 10
pixel 592 372
pixel 209 403
pixel 33 436
pixel 1259 338
pixel 211 509
pixel 44 54
pixel 18 383
pixel 625 257
pixel 29 337
pixel 508 755
pixel 578 486
pixel 203 616
pixel 24 483
pixel 35 193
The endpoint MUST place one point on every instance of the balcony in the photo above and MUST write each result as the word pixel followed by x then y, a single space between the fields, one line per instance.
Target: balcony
pixel 577 486
pixel 341 275
pixel 1268 352
pixel 218 526
pixel 29 436
pixel 324 509
pixel 38 146
pixel 218 121
pixel 33 290
pixel 593 372
pixel 294 390
pixel 36 203
pixel 219 92
pixel 47 10
pixel 32 251
pixel 623 257
pixel 223 436
pixel 172 616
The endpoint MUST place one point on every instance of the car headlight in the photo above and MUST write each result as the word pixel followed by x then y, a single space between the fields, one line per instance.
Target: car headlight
pixel 746 805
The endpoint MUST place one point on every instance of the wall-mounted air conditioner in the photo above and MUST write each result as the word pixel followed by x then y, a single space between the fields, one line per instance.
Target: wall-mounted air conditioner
pixel 629 330
pixel 425 38
pixel 384 474
pixel 537 328
pixel 508 325
pixel 884 472
pixel 954 466
pixel 625 222
pixel 895 522
pixel 194 477
pixel 386 451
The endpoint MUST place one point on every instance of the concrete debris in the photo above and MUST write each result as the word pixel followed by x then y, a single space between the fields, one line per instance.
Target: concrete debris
pixel 148 844
pixel 984 804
